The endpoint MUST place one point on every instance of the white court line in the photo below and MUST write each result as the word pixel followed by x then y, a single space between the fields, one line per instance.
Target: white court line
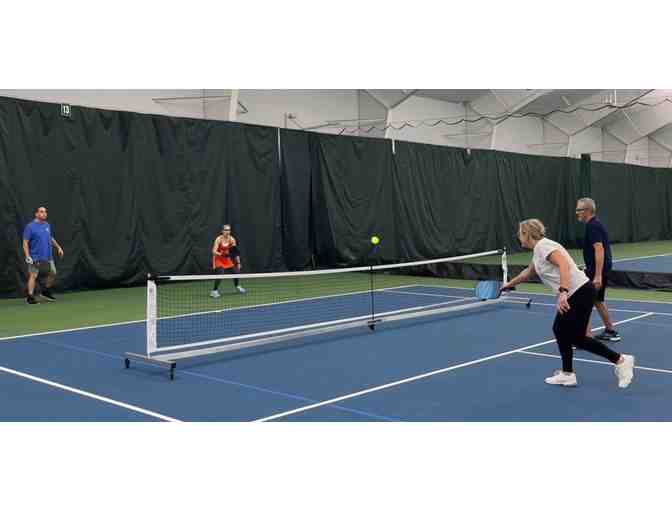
pixel 390 291
pixel 84 328
pixel 552 296
pixel 658 325
pixel 87 394
pixel 421 376
pixel 641 258
pixel 638 367
pixel 621 260
pixel 461 298
pixel 626 310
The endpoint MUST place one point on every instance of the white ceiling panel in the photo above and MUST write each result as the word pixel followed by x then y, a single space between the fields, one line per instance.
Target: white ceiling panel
pixel 566 122
pixel 550 150
pixel 612 149
pixel 658 155
pixel 562 99
pixel 513 97
pixel 664 137
pixel 454 96
pixel 623 129
pixel 490 105
pixel 390 97
pixel 652 119
pixel 552 134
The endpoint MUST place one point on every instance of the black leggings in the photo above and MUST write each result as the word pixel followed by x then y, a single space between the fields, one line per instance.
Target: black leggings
pixel 231 270
pixel 570 329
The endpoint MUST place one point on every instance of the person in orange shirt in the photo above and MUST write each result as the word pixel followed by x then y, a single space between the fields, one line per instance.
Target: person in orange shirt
pixel 226 259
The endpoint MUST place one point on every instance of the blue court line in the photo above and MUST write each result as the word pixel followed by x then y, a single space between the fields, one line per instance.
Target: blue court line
pixel 288 395
pixel 226 381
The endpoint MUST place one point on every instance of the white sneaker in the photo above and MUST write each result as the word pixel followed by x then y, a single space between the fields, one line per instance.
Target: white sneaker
pixel 562 378
pixel 625 371
pixel 241 289
pixel 214 294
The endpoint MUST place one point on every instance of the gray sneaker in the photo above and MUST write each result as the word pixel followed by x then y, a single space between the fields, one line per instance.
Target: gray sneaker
pixel 609 335
pixel 48 295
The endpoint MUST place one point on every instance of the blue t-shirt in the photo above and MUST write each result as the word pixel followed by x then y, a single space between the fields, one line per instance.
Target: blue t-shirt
pixel 596 233
pixel 38 236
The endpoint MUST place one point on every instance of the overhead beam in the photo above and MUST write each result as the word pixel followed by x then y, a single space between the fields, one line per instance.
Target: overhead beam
pixel 525 102
pixel 546 119
pixel 613 114
pixel 243 108
pixel 645 132
pixel 499 100
pixel 373 96
pixel 658 142
pixel 618 138
pixel 657 131
pixel 233 105
pixel 408 94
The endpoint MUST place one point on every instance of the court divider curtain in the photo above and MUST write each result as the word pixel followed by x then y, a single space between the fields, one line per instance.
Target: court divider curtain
pixel 453 202
pixel 129 193
pixel 353 198
pixel 296 189
pixel 428 201
pixel 633 201
pixel 132 193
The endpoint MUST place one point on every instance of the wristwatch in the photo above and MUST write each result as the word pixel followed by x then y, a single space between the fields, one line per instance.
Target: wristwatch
pixel 563 289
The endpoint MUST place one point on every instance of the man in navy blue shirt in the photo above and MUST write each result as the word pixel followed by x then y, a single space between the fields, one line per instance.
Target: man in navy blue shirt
pixel 597 257
pixel 37 248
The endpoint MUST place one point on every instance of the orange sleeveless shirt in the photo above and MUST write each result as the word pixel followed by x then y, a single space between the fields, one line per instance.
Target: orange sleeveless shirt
pixel 224 260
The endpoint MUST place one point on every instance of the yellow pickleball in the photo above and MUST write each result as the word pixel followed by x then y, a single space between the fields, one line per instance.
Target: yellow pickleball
pixel 375 240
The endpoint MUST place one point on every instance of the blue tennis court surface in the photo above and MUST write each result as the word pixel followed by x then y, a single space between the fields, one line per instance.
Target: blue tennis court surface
pixel 653 264
pixel 487 364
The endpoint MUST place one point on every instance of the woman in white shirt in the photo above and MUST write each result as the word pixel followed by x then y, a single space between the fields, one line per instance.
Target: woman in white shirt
pixel 576 295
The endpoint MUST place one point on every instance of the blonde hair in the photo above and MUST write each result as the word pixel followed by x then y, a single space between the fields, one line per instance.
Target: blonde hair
pixel 532 228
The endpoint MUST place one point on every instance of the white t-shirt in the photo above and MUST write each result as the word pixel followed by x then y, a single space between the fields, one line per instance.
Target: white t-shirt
pixel 550 273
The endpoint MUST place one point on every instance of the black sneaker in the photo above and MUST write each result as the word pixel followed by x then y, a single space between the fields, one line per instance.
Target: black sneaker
pixel 48 295
pixel 609 335
pixel 31 300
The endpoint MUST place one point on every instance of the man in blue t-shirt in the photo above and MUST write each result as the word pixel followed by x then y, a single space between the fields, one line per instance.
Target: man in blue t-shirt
pixel 597 257
pixel 37 248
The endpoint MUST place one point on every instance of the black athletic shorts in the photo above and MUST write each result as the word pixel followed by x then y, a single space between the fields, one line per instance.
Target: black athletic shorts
pixel 600 294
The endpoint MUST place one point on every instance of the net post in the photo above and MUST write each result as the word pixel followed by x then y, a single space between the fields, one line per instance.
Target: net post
pixel 372 323
pixel 151 314
pixel 373 313
pixel 505 267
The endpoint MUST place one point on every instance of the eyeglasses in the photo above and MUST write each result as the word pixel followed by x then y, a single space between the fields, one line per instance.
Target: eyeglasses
pixel 582 209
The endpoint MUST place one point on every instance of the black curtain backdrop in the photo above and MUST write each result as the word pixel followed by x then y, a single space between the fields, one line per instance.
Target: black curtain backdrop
pixel 131 193
pixel 296 189
pixel 353 199
pixel 452 202
pixel 633 201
